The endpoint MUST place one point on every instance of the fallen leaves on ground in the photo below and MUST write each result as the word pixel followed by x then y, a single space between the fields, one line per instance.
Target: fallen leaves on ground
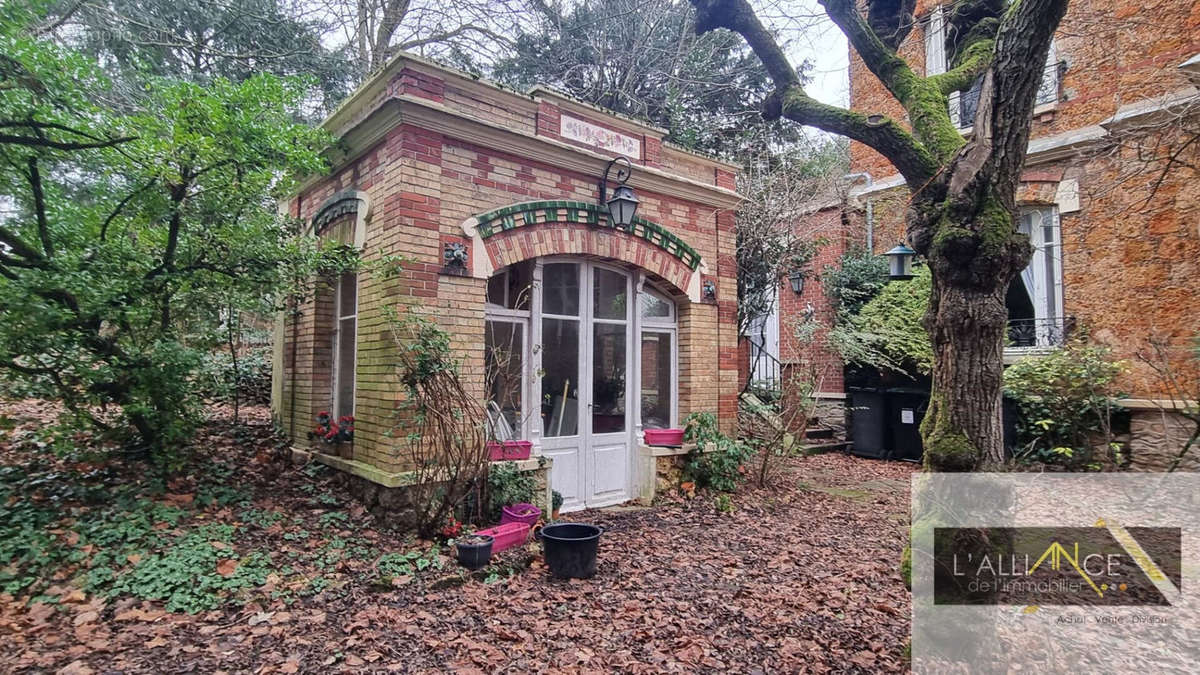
pixel 795 578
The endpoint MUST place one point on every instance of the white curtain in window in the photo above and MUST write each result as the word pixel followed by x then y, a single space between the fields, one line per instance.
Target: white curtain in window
pixel 1042 277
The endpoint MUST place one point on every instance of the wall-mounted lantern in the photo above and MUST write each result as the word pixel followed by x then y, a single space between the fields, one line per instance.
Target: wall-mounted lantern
pixel 796 279
pixel 623 204
pixel 900 261
pixel 708 291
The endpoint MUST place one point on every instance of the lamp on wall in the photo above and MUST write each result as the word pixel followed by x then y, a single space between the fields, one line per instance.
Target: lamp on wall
pixel 623 204
pixel 900 261
pixel 796 278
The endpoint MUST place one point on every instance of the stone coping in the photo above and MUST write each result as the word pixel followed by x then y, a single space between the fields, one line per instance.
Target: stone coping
pixel 665 451
pixel 393 479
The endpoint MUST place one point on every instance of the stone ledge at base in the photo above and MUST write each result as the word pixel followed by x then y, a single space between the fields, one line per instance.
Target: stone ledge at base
pixel 386 493
pixel 660 468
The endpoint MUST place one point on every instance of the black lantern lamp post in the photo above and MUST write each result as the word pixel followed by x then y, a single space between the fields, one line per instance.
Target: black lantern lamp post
pixel 797 280
pixel 900 260
pixel 623 204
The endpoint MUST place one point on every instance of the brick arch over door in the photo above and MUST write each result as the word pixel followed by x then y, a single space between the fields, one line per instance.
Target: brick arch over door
pixel 535 229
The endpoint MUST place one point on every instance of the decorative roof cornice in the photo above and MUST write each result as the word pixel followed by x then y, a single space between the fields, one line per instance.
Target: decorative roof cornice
pixel 434 116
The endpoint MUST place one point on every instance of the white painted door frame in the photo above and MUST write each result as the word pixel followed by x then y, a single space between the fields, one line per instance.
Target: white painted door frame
pixel 584 460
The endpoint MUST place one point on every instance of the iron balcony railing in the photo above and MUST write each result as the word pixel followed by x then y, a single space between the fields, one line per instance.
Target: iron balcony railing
pixel 1048 92
pixel 1032 333
pixel 766 372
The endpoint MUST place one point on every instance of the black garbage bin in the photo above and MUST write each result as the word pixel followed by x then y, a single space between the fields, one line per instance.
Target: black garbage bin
pixel 868 415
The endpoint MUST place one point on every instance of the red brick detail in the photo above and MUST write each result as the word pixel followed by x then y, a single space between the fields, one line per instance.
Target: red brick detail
pixel 651 151
pixel 414 209
pixel 726 221
pixel 726 179
pixel 416 143
pixel 413 83
pixel 532 241
pixel 548 120
pixel 1051 175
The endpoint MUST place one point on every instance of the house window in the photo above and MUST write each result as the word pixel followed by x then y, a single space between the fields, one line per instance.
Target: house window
pixel 1035 298
pixel 504 365
pixel 345 343
pixel 963 105
pixel 656 313
pixel 505 350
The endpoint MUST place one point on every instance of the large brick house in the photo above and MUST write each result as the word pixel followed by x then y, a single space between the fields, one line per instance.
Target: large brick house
pixel 1116 240
pixel 492 197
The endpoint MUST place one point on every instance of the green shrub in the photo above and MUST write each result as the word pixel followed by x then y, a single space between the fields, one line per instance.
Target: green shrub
pixel 215 379
pixel 506 484
pixel 717 461
pixel 888 332
pixel 1065 399
pixel 855 280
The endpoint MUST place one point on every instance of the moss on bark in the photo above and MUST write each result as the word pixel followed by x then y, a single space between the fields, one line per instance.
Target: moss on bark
pixel 946 446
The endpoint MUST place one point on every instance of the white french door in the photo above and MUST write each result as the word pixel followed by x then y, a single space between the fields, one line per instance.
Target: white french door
pixel 586 361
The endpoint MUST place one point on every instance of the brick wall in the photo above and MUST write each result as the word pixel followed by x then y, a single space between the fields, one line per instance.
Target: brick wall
pixel 1129 261
pixel 1113 55
pixel 422 185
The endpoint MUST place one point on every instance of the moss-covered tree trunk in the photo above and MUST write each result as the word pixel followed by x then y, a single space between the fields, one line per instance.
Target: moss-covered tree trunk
pixel 961 217
pixel 962 426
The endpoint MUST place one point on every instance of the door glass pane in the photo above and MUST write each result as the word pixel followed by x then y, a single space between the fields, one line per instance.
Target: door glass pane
pixel 504 349
pixel 496 287
pixel 510 288
pixel 609 293
pixel 657 380
pixel 345 367
pixel 651 306
pixel 608 378
pixel 560 378
pixel 348 291
pixel 560 289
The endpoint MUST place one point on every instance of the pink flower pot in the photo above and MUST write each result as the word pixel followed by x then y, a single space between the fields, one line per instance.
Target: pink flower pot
pixel 670 437
pixel 508 451
pixel 520 513
pixel 506 535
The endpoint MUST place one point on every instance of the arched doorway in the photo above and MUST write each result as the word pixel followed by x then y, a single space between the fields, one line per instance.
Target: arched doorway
pixel 580 356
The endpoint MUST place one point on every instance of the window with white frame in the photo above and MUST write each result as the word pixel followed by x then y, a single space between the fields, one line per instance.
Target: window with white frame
pixel 656 314
pixel 506 338
pixel 345 343
pixel 964 104
pixel 1035 298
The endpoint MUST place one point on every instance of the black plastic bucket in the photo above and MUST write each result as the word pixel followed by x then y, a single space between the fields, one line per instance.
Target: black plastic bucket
pixel 570 549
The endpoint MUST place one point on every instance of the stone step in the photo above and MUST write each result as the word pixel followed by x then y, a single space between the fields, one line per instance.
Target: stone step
pixel 822 448
pixel 819 433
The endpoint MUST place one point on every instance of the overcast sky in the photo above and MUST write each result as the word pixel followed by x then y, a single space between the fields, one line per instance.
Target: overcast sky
pixel 811 36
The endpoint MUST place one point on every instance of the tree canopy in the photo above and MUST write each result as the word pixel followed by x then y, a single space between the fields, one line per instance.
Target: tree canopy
pixel 644 59
pixel 126 234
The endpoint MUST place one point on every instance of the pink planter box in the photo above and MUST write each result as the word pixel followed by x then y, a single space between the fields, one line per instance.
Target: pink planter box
pixel 673 437
pixel 507 535
pixel 520 513
pixel 509 450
